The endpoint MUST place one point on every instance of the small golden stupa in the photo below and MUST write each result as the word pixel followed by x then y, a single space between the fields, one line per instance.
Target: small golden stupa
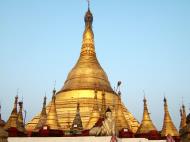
pixel 168 125
pixel 13 119
pixel 183 117
pixel 85 84
pixel 52 120
pixel 43 117
pixel 146 125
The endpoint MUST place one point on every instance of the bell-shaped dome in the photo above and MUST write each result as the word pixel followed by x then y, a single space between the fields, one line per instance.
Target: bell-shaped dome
pixel 87 73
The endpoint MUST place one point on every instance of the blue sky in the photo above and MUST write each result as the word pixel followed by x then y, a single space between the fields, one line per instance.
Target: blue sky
pixel 145 44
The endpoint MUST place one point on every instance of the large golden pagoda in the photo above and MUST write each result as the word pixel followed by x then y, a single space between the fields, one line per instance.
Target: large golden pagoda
pixel 85 85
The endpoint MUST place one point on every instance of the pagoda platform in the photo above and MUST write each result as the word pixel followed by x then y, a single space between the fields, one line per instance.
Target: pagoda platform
pixel 78 139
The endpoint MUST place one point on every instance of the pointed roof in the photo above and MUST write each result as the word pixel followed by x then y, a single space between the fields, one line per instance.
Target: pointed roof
pixel 146 124
pixel 13 119
pixel 168 127
pixel 77 122
pixel 120 119
pixel 87 73
pixel 43 116
pixel 95 115
pixel 52 119
pixel 183 117
pixel 21 127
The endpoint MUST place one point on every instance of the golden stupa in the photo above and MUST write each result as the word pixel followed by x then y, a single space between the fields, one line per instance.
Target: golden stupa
pixel 146 125
pixel 12 122
pixel 85 85
pixel 168 127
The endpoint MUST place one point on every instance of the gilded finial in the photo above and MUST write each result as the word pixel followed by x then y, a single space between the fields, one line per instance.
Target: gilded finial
pixel 88 1
pixel 144 100
pixel 165 100
pixel 44 103
pixel 15 103
pixel 54 91
pixel 181 113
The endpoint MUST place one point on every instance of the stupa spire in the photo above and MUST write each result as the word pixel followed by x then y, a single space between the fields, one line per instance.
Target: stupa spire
pixel 88 4
pixel 183 117
pixel 52 119
pixel 146 125
pixel 15 105
pixel 168 127
pixel 43 116
pixel 184 112
pixel 20 117
pixel 88 35
pixel 87 73
pixel 13 119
